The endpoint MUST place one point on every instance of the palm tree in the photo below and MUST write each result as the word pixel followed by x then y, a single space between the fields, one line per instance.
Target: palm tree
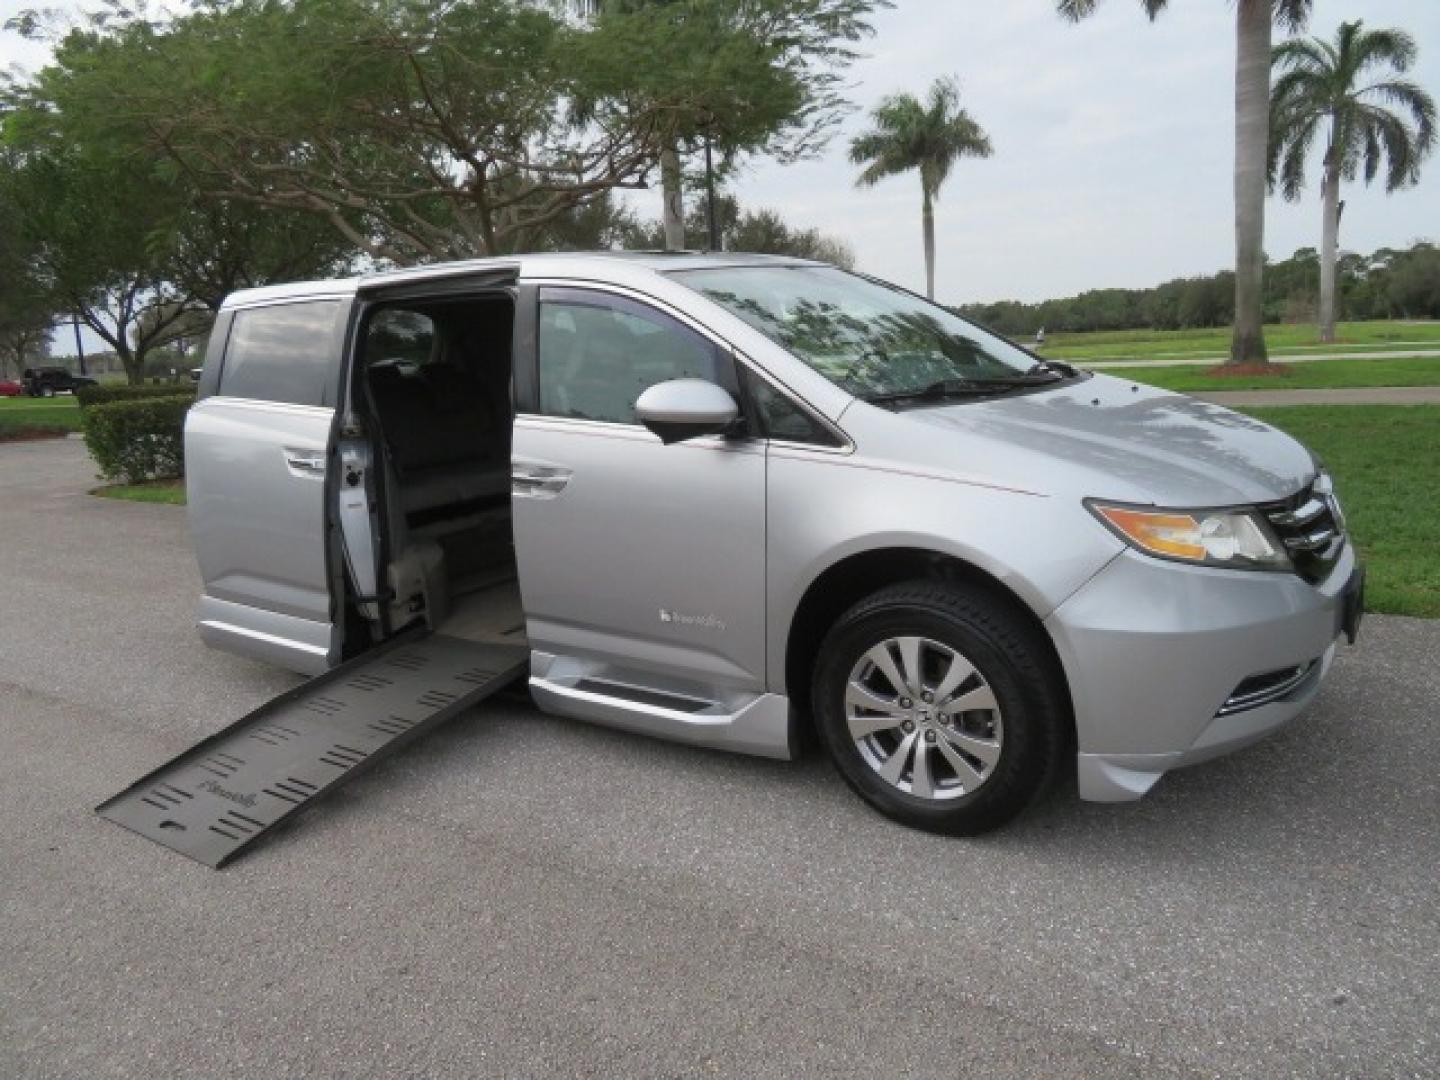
pixel 1254 20
pixel 926 137
pixel 1332 86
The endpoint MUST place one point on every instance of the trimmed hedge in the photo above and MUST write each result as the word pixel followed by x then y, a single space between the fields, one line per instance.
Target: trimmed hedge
pixel 99 395
pixel 138 440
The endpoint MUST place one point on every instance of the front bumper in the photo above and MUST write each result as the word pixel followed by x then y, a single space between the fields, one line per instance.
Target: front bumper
pixel 1154 650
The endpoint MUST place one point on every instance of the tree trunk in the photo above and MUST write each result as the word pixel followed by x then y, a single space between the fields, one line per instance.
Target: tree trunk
pixel 1252 137
pixel 674 216
pixel 927 221
pixel 1329 246
pixel 134 366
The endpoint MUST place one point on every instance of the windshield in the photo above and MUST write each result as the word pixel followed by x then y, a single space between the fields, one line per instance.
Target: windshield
pixel 871 339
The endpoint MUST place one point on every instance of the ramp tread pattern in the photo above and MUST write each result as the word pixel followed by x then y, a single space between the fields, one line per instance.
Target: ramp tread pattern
pixel 219 797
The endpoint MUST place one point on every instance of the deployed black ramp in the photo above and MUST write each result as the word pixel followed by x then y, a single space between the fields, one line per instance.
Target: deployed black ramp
pixel 220 796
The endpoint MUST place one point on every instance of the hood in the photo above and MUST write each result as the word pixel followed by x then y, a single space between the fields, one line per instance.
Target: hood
pixel 1136 443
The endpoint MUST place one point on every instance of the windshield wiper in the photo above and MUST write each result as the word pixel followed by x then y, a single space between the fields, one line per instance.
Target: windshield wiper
pixel 947 388
pixel 1057 366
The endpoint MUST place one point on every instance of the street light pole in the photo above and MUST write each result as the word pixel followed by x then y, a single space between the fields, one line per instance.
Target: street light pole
pixel 79 348
pixel 710 217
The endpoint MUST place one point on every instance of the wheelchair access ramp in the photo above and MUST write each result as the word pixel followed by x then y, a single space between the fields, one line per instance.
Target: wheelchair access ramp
pixel 222 795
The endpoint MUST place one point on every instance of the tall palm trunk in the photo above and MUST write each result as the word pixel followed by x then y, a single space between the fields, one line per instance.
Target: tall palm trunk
pixel 927 222
pixel 1252 133
pixel 674 215
pixel 1329 241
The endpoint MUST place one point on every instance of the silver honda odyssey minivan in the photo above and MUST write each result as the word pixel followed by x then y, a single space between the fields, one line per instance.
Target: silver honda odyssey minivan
pixel 731 499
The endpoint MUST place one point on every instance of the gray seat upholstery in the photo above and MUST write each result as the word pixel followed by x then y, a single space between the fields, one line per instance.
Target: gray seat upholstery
pixel 446 441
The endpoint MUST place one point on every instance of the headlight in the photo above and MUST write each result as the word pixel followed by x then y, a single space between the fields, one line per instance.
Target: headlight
pixel 1324 489
pixel 1237 539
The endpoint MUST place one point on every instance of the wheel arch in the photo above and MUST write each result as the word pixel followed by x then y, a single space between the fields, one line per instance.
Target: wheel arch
pixel 845 582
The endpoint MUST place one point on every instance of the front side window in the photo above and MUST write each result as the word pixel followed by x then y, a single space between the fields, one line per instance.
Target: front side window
pixel 285 353
pixel 599 353
pixel 780 418
pixel 870 339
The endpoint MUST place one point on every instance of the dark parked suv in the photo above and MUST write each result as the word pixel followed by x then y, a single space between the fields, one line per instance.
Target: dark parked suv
pixel 49 381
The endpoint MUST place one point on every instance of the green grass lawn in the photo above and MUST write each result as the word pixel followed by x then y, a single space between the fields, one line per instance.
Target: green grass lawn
pixel 1286 339
pixel 1386 462
pixel 171 492
pixel 20 414
pixel 1321 374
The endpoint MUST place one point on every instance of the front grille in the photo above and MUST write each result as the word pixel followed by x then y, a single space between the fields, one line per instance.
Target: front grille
pixel 1308 525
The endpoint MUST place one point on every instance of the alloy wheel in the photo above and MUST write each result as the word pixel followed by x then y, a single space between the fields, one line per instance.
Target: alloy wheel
pixel 923 717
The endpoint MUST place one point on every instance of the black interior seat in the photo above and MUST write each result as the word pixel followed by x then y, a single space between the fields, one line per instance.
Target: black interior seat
pixel 441 430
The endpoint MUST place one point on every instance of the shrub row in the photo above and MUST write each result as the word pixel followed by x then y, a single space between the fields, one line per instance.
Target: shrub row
pixel 99 395
pixel 138 440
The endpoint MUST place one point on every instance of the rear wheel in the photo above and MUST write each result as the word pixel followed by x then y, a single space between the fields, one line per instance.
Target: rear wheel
pixel 940 706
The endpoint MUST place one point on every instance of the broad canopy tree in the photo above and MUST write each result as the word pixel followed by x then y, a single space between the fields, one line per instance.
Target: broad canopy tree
pixel 710 54
pixel 420 131
pixel 131 254
pixel 127 253
pixel 25 329
pixel 114 234
pixel 86 222
pixel 214 247
pixel 27 311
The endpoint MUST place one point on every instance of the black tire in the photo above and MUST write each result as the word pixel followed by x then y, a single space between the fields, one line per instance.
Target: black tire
pixel 1011 655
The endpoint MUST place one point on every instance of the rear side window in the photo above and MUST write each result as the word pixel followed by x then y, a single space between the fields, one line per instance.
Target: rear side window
pixel 283 353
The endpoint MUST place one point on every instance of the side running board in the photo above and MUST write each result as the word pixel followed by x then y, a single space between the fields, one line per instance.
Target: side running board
pixel 223 794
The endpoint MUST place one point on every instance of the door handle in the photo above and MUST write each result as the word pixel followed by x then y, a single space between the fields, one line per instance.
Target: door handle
pixel 302 462
pixel 531 480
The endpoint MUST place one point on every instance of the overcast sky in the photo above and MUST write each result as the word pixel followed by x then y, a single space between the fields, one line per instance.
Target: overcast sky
pixel 1113 148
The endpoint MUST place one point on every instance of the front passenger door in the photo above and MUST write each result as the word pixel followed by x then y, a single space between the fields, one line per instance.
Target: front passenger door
pixel 635 558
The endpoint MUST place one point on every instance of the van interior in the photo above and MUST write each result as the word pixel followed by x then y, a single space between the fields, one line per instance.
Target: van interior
pixel 434 380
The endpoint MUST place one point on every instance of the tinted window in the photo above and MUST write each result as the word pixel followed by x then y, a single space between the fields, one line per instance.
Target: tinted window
pixel 781 418
pixel 598 354
pixel 401 339
pixel 282 353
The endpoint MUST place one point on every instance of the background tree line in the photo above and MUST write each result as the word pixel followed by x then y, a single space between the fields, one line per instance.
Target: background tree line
pixel 1388 284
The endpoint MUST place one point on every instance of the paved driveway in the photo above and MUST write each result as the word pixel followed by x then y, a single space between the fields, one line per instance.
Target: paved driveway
pixel 522 895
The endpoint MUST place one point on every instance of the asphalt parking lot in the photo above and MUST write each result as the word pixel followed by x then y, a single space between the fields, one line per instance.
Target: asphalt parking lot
pixel 522 895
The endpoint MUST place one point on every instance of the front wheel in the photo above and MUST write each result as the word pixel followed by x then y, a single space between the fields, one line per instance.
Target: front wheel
pixel 940 706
